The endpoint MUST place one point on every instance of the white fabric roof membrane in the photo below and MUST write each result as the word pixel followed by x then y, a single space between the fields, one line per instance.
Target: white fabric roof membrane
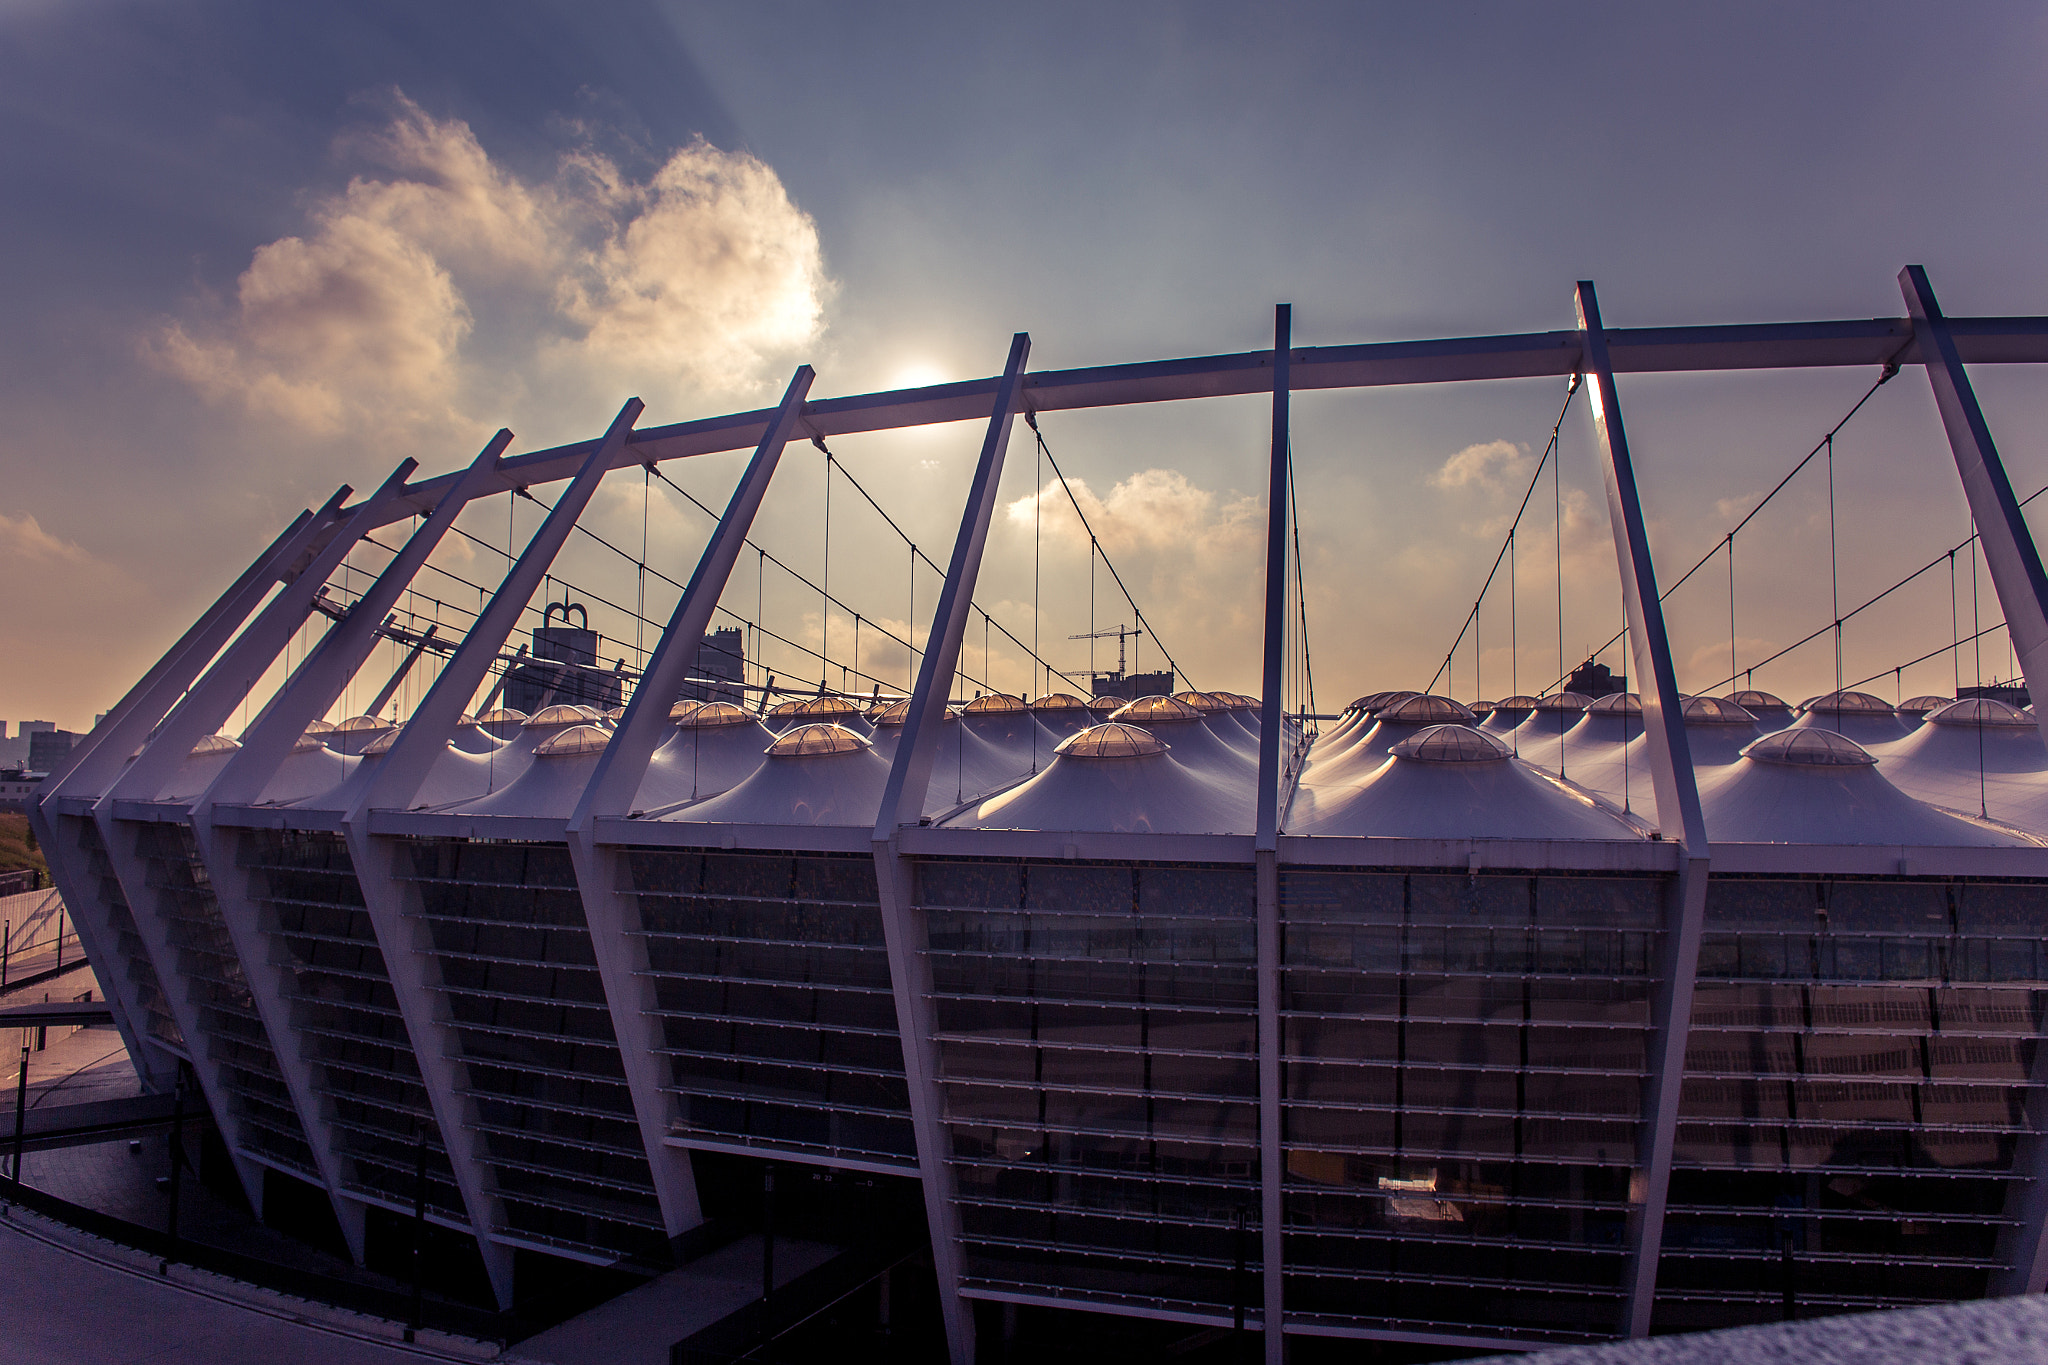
pixel 1008 726
pixel 353 735
pixel 306 771
pixel 840 787
pixel 1121 791
pixel 472 738
pixel 1819 787
pixel 1860 716
pixel 200 767
pixel 553 781
pixel 1974 756
pixel 1062 714
pixel 1716 731
pixel 1507 713
pixel 1354 760
pixel 1194 742
pixel 1452 782
pixel 1598 735
pixel 714 749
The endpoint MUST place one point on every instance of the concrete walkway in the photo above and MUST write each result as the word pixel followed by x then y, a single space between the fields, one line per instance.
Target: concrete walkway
pixel 58 1307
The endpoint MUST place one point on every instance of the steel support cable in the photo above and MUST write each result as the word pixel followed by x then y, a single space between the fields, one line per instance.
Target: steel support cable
pixel 916 554
pixel 1851 614
pixel 1885 376
pixel 1031 420
pixel 1507 544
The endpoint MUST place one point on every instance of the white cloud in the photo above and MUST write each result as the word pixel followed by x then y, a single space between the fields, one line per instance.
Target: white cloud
pixel 1154 509
pixel 707 277
pixel 23 541
pixel 1491 465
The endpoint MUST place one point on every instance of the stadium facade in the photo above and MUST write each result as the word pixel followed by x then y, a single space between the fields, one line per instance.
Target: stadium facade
pixel 1561 1023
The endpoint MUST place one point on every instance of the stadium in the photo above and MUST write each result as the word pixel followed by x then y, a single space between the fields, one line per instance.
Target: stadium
pixel 1557 1018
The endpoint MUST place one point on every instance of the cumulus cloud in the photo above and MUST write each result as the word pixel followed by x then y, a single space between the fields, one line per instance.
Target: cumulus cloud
pixel 1154 509
pixel 23 541
pixel 705 277
pixel 1491 465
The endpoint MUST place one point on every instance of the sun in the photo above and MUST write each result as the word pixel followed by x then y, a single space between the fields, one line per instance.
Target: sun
pixel 917 376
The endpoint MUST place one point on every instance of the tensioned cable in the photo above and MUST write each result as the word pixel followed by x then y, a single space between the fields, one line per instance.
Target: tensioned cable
pixel 1507 545
pixel 1031 420
pixel 1885 376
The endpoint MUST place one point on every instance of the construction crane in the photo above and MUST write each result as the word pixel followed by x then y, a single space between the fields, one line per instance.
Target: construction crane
pixel 1120 632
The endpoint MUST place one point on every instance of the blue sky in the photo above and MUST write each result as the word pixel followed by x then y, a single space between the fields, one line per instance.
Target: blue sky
pixel 909 185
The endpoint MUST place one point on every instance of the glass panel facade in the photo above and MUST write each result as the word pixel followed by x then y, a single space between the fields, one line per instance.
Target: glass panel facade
pixel 1463 1076
pixel 1097 1046
pixel 511 951
pixel 772 983
pixel 265 1119
pixel 346 1016
pixel 1861 1058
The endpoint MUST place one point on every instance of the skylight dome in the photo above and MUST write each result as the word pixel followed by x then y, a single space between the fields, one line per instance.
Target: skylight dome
pixel 1750 700
pixel 1920 706
pixel 1451 744
pixel 1059 701
pixel 1202 701
pixel 577 739
pixel 1616 704
pixel 829 709
pixel 215 744
pixel 502 722
pixel 1849 704
pixel 1111 740
pixel 683 710
pixel 1416 709
pixel 1715 711
pixel 1104 704
pixel 807 741
pixel 1563 701
pixel 1518 702
pixel 615 714
pixel 1810 749
pixel 993 703
pixel 548 717
pixel 710 714
pixel 1984 711
pixel 1155 711
pixel 381 744
pixel 320 727
pixel 896 713
pixel 357 725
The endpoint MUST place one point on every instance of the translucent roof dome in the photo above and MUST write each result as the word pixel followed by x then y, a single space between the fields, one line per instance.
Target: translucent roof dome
pixel 894 713
pixel 1981 711
pixel 806 741
pixel 465 719
pixel 1202 701
pixel 1810 749
pixel 1451 744
pixel 1059 701
pixel 1104 703
pixel 1920 706
pixel 1750 700
pixel 577 739
pixel 358 725
pixel 1245 701
pixel 215 744
pixel 319 727
pixel 1155 711
pixel 1563 701
pixel 382 744
pixel 615 714
pixel 1616 704
pixel 1518 702
pixel 1715 711
pixel 1374 702
pixel 707 715
pixel 1848 704
pixel 683 710
pixel 502 722
pixel 1416 709
pixel 994 703
pixel 306 744
pixel 561 713
pixel 1481 708
pixel 1111 740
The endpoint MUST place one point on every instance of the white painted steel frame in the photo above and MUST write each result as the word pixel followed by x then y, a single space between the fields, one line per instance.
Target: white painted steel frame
pixel 614 918
pixel 1678 819
pixel 1272 718
pixel 903 927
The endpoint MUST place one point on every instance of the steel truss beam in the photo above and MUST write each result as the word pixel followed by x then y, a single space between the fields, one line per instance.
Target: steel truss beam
pixel 621 954
pixel 903 927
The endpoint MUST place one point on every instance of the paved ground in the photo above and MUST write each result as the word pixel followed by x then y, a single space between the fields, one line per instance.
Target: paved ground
pixel 76 1066
pixel 59 1307
pixel 639 1326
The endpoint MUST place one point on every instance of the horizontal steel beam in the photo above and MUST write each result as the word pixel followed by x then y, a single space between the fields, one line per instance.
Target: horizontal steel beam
pixel 1637 350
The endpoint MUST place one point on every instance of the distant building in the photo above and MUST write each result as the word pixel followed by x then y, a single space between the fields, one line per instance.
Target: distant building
pixel 1595 680
pixel 47 748
pixel 2012 693
pixel 721 668
pixel 18 788
pixel 564 669
pixel 1131 686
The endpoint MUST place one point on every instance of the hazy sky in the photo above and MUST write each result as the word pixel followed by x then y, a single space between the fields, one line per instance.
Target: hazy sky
pixel 255 251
